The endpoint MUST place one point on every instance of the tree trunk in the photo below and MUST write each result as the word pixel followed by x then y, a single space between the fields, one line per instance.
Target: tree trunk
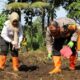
pixel 43 15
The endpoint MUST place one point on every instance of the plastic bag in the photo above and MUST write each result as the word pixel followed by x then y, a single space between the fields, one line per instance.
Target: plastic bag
pixel 66 52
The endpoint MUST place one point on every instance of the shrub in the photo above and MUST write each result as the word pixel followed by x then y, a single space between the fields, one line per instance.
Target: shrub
pixel 34 34
pixel 3 18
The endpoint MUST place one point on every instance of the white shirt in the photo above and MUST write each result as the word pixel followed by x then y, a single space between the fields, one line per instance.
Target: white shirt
pixel 7 33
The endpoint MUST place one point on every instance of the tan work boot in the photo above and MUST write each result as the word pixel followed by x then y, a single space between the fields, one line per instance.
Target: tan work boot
pixel 2 62
pixel 57 64
pixel 15 63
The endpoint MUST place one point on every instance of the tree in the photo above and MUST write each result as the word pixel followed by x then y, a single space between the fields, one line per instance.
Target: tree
pixel 74 10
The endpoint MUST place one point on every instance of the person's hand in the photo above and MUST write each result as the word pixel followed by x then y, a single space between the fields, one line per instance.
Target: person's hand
pixel 15 45
pixel 49 55
pixel 13 42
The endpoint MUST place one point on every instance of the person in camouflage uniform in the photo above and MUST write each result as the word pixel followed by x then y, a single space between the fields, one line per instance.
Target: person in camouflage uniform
pixel 58 34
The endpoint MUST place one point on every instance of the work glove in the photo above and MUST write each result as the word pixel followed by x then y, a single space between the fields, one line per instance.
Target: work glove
pixel 49 55
pixel 71 44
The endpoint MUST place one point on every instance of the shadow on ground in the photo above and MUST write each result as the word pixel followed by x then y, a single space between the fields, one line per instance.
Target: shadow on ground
pixel 28 68
pixel 78 67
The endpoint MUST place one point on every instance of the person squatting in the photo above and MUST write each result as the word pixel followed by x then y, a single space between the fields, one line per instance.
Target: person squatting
pixel 62 32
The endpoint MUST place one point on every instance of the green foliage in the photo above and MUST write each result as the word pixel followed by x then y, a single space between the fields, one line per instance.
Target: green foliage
pixel 39 5
pixel 34 35
pixel 74 10
pixel 21 5
pixel 37 28
pixel 3 18
pixel 17 5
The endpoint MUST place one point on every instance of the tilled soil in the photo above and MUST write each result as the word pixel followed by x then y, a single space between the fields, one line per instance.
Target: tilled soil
pixel 32 69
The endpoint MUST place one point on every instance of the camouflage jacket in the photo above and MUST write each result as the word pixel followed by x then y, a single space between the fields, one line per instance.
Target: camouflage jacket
pixel 50 40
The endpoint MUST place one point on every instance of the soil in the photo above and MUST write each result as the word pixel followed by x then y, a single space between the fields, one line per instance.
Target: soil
pixel 35 66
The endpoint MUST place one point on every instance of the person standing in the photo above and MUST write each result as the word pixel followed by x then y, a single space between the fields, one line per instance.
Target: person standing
pixel 11 37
